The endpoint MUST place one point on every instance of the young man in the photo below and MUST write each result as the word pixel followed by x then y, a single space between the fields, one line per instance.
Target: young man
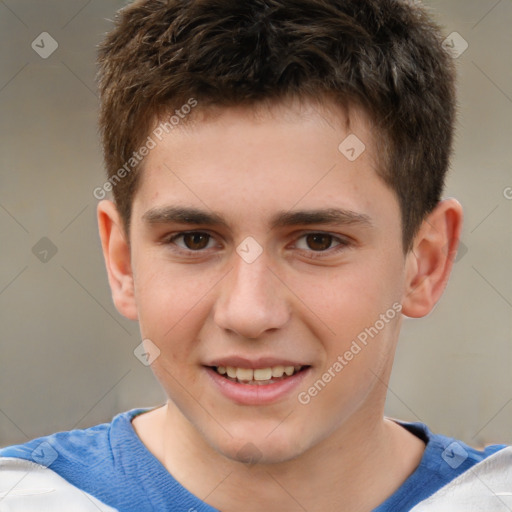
pixel 277 169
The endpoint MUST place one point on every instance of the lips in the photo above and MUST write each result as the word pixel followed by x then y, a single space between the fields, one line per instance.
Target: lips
pixel 256 381
pixel 260 362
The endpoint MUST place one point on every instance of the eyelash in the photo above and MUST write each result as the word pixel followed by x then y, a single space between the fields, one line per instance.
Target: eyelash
pixel 342 243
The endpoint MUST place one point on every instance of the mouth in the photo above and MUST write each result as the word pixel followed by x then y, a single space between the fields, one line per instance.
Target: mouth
pixel 258 376
pixel 262 384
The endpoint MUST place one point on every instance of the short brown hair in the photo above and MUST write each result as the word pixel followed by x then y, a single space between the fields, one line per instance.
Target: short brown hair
pixel 384 55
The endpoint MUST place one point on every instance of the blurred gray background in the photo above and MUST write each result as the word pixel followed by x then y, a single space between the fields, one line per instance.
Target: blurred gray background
pixel 66 355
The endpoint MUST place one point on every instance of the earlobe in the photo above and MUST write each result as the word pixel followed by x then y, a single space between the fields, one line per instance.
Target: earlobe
pixel 116 252
pixel 430 261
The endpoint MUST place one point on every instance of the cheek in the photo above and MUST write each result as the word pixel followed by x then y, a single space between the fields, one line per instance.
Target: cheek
pixel 346 300
pixel 171 304
pixel 359 312
pixel 355 369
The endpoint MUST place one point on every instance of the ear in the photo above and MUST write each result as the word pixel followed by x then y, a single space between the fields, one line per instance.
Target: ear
pixel 430 261
pixel 116 251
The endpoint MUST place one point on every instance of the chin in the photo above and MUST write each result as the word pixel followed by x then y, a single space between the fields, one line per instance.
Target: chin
pixel 262 449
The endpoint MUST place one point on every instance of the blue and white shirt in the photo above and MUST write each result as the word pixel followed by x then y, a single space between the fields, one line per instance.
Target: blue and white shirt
pixel 107 468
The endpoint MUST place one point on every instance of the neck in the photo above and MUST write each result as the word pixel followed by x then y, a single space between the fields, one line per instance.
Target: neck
pixel 365 449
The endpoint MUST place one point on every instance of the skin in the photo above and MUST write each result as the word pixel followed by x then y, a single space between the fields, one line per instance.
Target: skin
pixel 294 301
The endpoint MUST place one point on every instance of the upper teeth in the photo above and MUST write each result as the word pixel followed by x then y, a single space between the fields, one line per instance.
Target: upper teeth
pixel 248 374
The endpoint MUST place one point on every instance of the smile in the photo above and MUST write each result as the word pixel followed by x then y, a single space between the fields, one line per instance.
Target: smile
pixel 257 376
pixel 259 385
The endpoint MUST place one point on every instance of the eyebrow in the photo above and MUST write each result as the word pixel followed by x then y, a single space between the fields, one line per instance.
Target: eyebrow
pixel 194 216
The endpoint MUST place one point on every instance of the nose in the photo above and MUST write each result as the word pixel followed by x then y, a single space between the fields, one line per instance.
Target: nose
pixel 252 301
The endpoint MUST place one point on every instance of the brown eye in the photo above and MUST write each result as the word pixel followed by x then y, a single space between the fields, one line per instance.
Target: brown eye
pixel 319 241
pixel 196 241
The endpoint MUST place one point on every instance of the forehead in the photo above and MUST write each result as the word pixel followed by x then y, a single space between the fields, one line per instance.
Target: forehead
pixel 252 162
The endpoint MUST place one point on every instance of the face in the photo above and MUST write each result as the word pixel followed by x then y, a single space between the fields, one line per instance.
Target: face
pixel 259 249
